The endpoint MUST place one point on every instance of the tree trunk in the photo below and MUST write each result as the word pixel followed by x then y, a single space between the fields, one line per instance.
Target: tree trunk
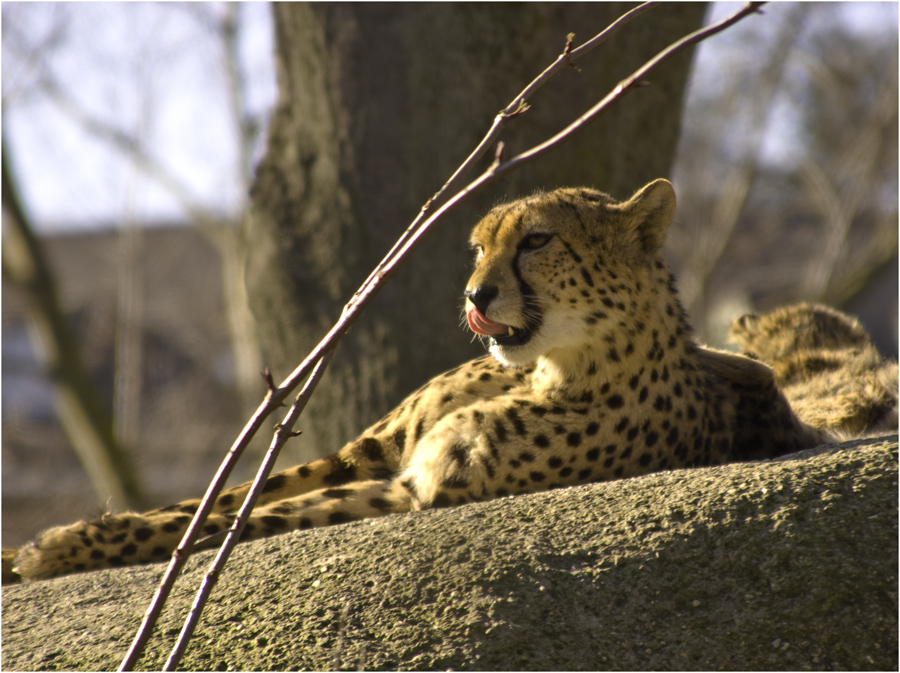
pixel 378 104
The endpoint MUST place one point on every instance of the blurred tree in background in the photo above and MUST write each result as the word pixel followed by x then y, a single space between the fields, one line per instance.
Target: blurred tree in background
pixel 128 117
pixel 787 169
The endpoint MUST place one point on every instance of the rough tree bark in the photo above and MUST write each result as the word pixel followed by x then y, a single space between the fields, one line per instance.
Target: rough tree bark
pixel 378 104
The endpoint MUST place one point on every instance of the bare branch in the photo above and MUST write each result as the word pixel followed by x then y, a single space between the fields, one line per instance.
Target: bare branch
pixel 382 273
pixel 81 413
pixel 283 433
pixel 134 150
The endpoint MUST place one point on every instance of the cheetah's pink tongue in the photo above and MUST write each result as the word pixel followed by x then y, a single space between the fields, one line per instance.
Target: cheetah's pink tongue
pixel 481 325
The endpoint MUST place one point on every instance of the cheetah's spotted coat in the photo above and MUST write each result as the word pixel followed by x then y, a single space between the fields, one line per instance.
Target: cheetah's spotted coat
pixel 595 376
pixel 826 365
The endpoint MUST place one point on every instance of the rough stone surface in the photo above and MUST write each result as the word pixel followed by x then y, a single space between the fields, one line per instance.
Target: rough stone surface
pixel 781 565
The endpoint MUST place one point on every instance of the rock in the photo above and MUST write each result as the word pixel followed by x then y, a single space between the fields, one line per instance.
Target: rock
pixel 786 564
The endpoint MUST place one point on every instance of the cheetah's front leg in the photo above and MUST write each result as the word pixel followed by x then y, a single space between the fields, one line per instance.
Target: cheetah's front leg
pixel 127 539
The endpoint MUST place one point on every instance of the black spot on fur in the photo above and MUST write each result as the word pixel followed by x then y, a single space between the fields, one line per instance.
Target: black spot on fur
pixel 459 453
pixel 304 523
pixel 399 439
pixel 441 500
pixel 339 517
pixel 541 441
pixel 593 454
pixel 591 429
pixel 455 482
pixel 338 493
pixel 283 508
pixel 517 423
pixel 274 483
pixel 672 437
pixel 645 459
pixel 372 450
pixel 537 476
pixel 420 428
pixel 573 439
pixel 380 504
pixel 144 533
pixel 304 471
pixel 554 462
pixel 615 401
pixel 341 472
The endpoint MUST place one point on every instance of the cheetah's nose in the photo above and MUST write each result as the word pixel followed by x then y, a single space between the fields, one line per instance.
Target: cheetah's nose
pixel 481 296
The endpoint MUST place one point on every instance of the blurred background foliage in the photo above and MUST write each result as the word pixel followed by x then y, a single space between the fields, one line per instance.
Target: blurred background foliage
pixel 131 131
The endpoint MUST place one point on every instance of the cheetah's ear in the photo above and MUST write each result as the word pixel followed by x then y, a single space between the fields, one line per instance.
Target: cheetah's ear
pixel 649 212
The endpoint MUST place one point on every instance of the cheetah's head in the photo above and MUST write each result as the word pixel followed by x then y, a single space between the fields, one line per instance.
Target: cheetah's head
pixel 563 268
pixel 791 329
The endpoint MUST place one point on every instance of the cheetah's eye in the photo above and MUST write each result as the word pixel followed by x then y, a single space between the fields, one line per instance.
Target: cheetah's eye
pixel 535 241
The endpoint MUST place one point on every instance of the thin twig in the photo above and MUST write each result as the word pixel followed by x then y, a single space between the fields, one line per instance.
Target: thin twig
pixel 385 270
pixel 282 434
pixel 516 107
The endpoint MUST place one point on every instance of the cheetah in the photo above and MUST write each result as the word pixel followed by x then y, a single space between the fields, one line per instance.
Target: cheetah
pixel 593 375
pixel 826 365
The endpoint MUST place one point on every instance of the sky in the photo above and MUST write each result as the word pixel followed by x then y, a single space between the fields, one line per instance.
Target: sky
pixel 154 72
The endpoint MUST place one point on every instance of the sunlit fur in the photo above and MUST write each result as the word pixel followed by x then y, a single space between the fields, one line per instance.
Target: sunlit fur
pixel 602 380
pixel 826 365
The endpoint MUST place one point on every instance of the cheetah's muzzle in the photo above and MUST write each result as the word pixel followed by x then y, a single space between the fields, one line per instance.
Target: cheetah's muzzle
pixel 500 334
